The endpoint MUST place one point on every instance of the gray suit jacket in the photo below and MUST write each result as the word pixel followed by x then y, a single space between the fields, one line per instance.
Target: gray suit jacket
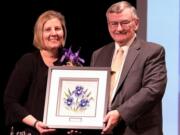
pixel 140 89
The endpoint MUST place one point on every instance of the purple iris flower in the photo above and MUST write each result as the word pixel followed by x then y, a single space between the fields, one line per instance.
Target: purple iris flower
pixel 69 101
pixel 78 99
pixel 74 58
pixel 83 102
pixel 78 91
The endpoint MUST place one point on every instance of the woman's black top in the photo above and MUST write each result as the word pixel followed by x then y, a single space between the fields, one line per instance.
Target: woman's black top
pixel 25 92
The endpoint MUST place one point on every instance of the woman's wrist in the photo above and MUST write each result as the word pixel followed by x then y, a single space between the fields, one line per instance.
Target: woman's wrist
pixel 35 123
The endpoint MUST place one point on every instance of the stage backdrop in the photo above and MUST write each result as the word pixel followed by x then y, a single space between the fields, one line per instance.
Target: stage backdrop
pixel 163 27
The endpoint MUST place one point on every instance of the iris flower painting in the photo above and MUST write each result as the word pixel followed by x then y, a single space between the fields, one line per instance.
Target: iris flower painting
pixel 77 100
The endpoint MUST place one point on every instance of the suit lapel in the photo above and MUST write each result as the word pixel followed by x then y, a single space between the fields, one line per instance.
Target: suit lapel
pixel 110 53
pixel 130 58
pixel 106 55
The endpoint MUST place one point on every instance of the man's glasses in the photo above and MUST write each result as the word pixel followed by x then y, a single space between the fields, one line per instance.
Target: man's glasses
pixel 115 24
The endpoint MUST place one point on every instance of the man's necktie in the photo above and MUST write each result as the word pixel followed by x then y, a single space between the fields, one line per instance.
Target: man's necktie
pixel 115 68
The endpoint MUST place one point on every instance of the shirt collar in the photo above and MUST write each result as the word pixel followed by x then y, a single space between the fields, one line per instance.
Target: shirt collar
pixel 126 46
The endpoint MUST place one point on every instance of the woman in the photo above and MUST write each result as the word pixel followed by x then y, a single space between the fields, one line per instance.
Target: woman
pixel 25 93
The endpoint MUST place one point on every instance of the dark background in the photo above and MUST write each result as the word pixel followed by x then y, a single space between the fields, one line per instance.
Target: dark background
pixel 86 27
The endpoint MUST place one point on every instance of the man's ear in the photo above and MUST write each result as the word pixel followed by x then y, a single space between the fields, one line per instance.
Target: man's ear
pixel 136 24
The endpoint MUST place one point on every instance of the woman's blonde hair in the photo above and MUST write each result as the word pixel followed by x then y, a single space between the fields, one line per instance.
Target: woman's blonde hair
pixel 38 28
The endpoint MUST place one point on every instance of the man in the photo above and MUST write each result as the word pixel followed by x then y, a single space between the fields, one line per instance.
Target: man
pixel 136 97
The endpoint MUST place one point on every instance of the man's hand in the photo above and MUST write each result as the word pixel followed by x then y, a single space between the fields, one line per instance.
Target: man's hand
pixel 111 120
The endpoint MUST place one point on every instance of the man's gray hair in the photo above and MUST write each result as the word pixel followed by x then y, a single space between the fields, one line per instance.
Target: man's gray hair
pixel 120 6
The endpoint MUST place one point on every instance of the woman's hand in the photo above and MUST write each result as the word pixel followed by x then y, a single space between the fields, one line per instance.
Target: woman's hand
pixel 43 128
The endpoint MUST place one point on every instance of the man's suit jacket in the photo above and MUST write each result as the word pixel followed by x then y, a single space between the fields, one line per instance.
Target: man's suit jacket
pixel 140 89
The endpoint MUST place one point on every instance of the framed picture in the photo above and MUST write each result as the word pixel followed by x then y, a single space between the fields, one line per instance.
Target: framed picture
pixel 76 97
